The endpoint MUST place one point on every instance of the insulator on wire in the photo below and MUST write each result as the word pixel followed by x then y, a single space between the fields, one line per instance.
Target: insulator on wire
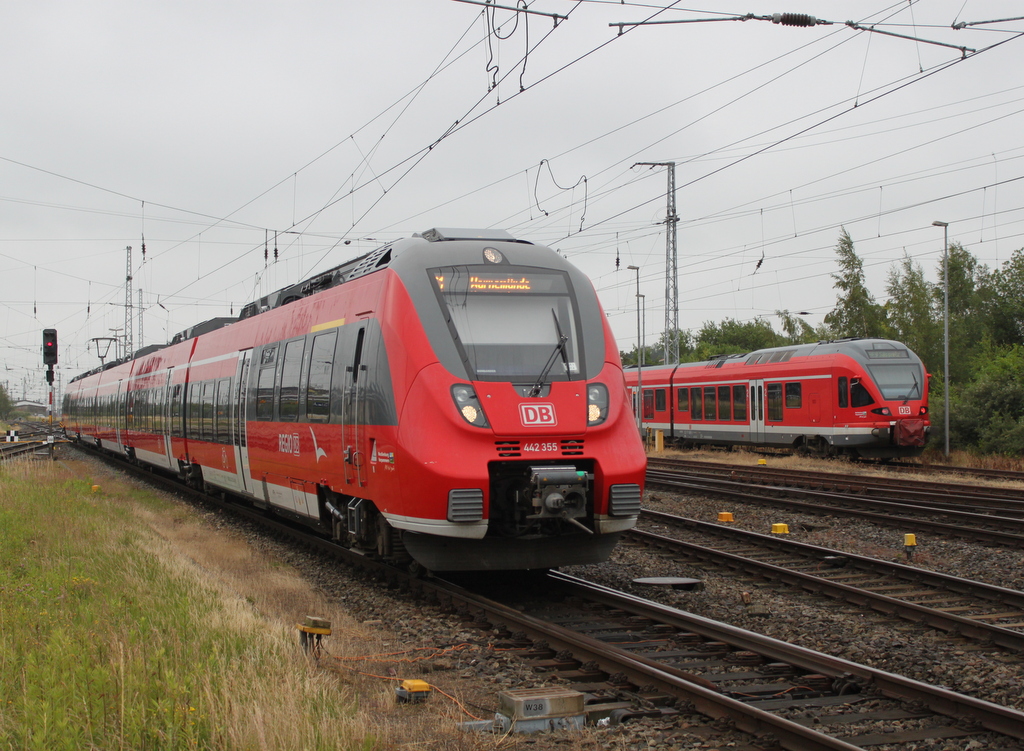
pixel 794 19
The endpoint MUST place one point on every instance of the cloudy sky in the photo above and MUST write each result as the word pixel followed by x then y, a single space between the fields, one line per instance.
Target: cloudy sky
pixel 219 131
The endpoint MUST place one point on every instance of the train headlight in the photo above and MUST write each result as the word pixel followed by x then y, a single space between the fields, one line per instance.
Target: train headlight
pixel 597 404
pixel 468 404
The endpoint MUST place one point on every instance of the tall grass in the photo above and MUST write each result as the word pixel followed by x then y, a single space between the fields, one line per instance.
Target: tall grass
pixel 107 644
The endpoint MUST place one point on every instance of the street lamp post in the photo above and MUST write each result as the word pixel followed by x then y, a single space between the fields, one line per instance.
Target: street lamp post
pixel 945 322
pixel 639 356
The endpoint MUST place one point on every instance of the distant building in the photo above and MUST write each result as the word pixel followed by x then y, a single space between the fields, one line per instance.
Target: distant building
pixel 33 408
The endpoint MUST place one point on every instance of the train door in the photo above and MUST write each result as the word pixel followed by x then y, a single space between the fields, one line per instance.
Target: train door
pixel 165 420
pixel 239 406
pixel 757 411
pixel 352 411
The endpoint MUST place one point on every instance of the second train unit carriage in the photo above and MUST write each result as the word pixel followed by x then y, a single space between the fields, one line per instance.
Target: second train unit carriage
pixel 454 399
pixel 857 397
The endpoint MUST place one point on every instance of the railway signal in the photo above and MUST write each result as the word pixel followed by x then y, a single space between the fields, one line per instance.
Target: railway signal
pixel 49 352
pixel 49 346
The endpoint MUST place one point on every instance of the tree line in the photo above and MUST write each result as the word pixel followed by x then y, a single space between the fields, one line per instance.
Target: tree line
pixel 986 338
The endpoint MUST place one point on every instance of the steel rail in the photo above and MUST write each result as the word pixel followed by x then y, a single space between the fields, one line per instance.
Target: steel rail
pixel 861 597
pixel 992 716
pixel 921 490
pixel 883 515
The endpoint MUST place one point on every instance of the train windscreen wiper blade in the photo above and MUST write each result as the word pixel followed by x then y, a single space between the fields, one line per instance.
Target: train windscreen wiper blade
pixel 917 388
pixel 559 348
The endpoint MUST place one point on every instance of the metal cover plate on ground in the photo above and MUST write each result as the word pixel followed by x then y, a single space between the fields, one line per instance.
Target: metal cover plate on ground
pixel 676 582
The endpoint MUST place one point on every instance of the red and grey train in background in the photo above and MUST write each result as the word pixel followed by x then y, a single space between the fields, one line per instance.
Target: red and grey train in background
pixel 454 399
pixel 857 397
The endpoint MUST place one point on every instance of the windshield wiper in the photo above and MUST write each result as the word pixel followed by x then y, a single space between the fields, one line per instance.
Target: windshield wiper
pixel 917 388
pixel 559 348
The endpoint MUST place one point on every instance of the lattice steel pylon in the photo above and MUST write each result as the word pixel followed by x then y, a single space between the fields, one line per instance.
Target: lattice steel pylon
pixel 129 310
pixel 671 266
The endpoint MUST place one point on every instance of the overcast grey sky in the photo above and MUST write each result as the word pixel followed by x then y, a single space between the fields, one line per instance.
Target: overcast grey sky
pixel 208 127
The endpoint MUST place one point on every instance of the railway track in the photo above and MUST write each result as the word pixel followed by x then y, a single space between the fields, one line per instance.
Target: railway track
pixel 31 437
pixel 958 606
pixel 954 493
pixel 976 472
pixel 641 657
pixel 987 520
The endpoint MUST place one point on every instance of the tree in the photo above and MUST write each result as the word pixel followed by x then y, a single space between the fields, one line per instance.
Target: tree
pixel 1002 300
pixel 856 312
pixel 6 405
pixel 734 337
pixel 911 314
pixel 968 346
pixel 989 415
pixel 797 330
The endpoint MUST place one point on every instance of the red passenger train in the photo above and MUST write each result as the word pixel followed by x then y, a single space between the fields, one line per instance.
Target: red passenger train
pixel 454 400
pixel 856 397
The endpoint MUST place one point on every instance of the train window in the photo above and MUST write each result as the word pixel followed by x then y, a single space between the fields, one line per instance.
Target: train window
pixel 723 402
pixel 206 421
pixel 222 421
pixel 898 382
pixel 508 322
pixel 159 403
pixel 739 403
pixel 318 388
pixel 648 404
pixel 844 392
pixel 682 400
pixel 176 427
pixel 696 403
pixel 794 395
pixel 659 400
pixel 859 396
pixel 709 403
pixel 265 394
pixel 192 410
pixel 774 402
pixel 291 369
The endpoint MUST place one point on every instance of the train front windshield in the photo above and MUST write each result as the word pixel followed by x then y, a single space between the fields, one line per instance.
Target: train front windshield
pixel 899 382
pixel 512 323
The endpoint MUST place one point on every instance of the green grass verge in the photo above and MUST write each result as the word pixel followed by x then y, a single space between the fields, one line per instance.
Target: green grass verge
pixel 105 643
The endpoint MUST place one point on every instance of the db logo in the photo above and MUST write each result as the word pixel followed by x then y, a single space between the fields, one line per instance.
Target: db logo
pixel 537 414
